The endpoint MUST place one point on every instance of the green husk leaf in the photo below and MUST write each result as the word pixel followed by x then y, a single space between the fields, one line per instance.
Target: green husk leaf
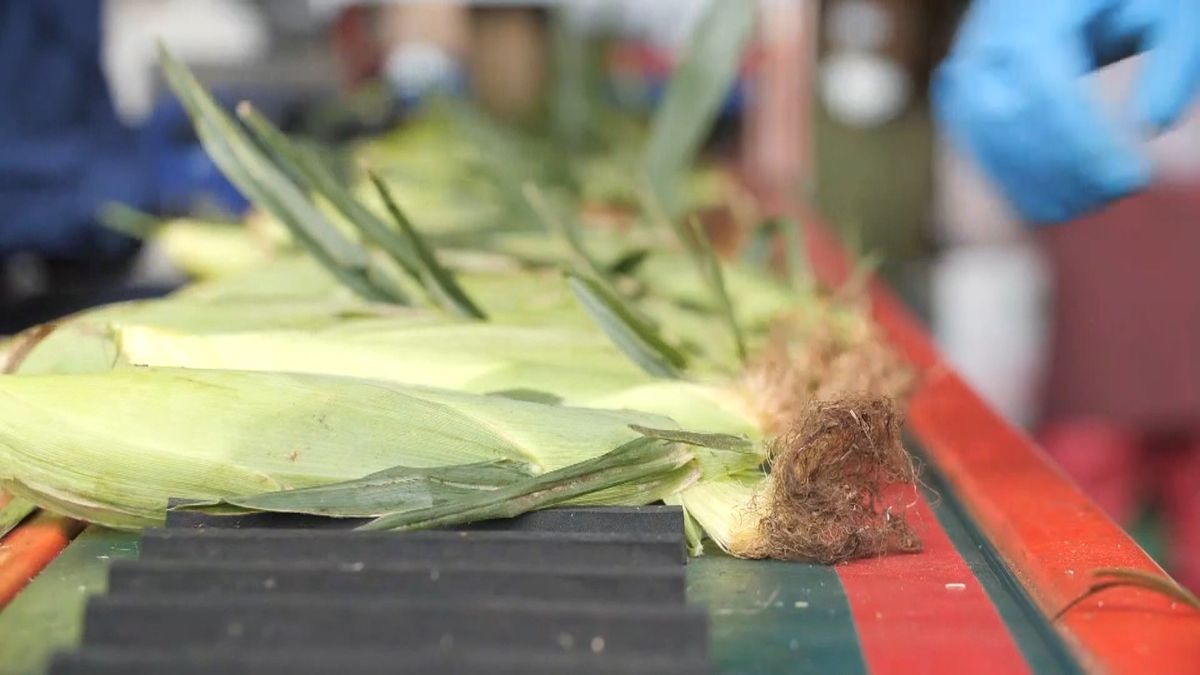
pixel 1112 577
pixel 639 460
pixel 630 262
pixel 796 255
pixel 637 339
pixel 15 511
pixel 317 177
pixel 269 187
pixel 499 158
pixel 438 280
pixel 694 95
pixel 583 264
pixel 129 221
pixel 576 84
pixel 568 229
pixel 726 442
pixel 401 488
pixel 710 270
pixel 659 221
pixel 693 533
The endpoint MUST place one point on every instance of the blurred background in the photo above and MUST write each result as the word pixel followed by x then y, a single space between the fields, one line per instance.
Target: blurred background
pixel 1084 334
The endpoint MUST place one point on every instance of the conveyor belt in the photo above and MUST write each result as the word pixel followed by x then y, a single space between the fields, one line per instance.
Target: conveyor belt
pixel 591 590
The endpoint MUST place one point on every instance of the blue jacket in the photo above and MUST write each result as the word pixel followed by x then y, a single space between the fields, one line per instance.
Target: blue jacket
pixel 63 152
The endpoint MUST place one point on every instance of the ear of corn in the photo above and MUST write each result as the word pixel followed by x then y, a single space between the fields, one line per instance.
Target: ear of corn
pixel 536 364
pixel 633 334
pixel 713 274
pixel 724 507
pixel 74 347
pixel 210 250
pixel 114 447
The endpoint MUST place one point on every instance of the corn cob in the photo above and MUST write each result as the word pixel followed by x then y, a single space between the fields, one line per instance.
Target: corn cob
pixel 113 448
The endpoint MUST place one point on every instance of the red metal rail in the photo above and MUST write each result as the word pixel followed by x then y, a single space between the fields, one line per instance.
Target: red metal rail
pixel 29 548
pixel 1050 534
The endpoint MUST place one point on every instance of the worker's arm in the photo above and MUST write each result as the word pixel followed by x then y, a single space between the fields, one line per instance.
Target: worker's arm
pixel 1012 94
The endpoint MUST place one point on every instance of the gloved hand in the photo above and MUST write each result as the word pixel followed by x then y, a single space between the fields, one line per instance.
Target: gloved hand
pixel 1011 93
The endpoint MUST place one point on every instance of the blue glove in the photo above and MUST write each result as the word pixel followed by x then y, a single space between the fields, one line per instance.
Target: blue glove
pixel 1011 92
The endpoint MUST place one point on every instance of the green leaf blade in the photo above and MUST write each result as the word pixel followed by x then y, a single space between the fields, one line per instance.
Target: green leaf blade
pixel 389 491
pixel 714 276
pixel 639 460
pixel 266 185
pixel 636 339
pixel 726 442
pixel 319 178
pixel 693 98
pixel 14 512
pixel 438 280
pixel 567 229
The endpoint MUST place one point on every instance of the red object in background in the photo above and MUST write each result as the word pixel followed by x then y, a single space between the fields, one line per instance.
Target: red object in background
pixel 1102 458
pixel 355 44
pixel 1123 388
pixel 1117 468
pixel 1180 498
pixel 1126 345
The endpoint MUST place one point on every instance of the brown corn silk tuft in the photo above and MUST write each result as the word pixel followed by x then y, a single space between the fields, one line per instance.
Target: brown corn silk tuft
pixel 782 382
pixel 830 496
pixel 840 476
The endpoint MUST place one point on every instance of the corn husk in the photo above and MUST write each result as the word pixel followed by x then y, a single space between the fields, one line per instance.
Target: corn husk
pixel 113 448
pixel 13 510
pixel 563 366
pixel 207 250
